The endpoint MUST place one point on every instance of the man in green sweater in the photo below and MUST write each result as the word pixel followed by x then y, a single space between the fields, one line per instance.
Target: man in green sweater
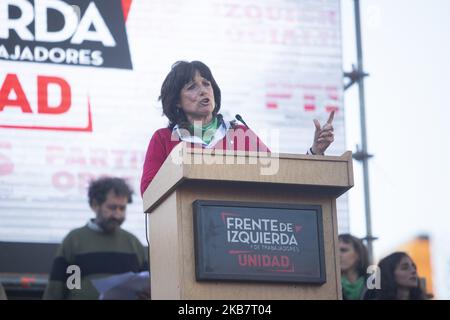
pixel 99 249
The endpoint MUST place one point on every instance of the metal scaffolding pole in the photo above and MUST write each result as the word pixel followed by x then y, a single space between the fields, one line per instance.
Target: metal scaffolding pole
pixel 357 76
pixel 364 156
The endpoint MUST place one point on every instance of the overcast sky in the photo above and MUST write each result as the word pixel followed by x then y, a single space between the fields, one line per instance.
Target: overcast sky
pixel 406 47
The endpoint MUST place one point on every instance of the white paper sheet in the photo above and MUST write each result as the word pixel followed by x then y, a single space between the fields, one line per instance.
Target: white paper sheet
pixel 124 286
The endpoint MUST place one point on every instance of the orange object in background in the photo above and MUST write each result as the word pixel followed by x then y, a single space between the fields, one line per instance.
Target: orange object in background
pixel 419 250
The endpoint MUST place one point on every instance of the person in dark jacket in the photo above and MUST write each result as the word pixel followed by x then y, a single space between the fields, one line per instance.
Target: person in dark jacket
pixel 99 249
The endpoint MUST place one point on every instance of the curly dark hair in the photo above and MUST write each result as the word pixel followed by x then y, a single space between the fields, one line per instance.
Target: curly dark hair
pixel 98 189
pixel 181 73
pixel 361 251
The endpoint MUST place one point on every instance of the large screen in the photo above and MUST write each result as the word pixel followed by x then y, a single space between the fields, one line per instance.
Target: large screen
pixel 80 80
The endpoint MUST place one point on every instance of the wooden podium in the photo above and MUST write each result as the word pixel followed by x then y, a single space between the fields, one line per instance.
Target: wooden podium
pixel 189 175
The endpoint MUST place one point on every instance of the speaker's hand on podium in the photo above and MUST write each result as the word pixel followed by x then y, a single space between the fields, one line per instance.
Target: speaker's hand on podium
pixel 323 136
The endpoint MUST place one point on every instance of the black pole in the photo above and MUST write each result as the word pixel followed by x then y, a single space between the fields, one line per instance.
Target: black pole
pixel 363 156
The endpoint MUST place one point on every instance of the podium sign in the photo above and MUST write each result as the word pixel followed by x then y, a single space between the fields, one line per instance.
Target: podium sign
pixel 260 242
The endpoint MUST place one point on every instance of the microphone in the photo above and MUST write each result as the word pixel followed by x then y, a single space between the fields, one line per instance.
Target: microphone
pixel 239 118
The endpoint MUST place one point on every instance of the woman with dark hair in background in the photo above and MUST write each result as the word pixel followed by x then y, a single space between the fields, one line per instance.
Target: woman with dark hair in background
pixel 399 279
pixel 354 263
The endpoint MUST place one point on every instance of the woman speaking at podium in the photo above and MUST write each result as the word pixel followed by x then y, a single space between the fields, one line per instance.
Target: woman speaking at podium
pixel 191 100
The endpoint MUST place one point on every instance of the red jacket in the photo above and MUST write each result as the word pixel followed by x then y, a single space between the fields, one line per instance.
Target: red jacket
pixel 162 144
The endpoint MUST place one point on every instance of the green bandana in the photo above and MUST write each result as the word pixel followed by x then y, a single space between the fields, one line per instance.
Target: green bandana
pixel 352 291
pixel 207 130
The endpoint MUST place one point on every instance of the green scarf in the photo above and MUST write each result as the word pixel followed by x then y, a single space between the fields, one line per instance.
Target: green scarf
pixel 207 130
pixel 352 291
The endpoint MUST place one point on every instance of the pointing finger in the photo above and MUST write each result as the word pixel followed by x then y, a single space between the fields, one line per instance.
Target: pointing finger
pixel 330 119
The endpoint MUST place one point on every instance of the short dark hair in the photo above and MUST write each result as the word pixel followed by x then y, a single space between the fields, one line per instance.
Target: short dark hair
pixel 99 189
pixel 389 286
pixel 361 251
pixel 180 74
